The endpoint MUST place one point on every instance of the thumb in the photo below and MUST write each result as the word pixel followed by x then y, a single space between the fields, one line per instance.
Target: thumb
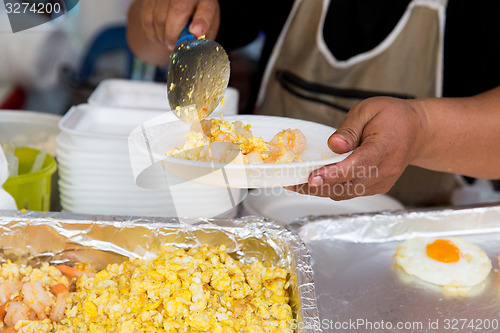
pixel 348 135
pixel 198 27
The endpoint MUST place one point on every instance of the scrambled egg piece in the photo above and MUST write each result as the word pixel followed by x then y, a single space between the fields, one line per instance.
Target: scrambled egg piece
pixel 221 141
pixel 199 290
pixel 31 326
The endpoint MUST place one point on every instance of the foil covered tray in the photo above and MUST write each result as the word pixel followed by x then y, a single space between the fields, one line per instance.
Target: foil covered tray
pixel 32 237
pixel 360 289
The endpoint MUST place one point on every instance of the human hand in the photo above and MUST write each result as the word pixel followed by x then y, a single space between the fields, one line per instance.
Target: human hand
pixel 385 134
pixel 163 20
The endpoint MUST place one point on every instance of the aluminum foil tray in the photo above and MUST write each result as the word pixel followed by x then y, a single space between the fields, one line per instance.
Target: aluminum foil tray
pixel 32 237
pixel 360 289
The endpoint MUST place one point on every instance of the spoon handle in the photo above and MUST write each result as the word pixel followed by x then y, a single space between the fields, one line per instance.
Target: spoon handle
pixel 185 35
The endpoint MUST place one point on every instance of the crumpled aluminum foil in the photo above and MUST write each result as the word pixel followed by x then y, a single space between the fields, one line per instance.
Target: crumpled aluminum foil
pixel 33 237
pixel 360 289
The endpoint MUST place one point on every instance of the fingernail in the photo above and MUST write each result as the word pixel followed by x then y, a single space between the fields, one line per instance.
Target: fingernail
pixel 341 137
pixel 170 46
pixel 196 29
pixel 316 181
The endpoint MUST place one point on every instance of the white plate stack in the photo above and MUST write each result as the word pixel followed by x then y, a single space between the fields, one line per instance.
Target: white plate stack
pixel 96 175
pixel 149 95
pixel 94 167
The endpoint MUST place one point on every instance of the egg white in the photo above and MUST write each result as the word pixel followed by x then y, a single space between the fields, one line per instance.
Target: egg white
pixel 471 269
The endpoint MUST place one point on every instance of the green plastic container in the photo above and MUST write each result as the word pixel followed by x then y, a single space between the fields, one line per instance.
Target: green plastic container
pixel 31 190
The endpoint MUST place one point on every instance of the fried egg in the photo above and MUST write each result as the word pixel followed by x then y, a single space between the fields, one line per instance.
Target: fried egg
pixel 449 262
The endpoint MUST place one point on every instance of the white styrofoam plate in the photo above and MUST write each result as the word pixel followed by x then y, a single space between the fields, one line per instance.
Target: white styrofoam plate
pixel 111 157
pixel 89 208
pixel 130 94
pixel 178 204
pixel 98 145
pixel 113 198
pixel 94 161
pixel 284 206
pixel 164 211
pixel 149 96
pixel 105 187
pixel 99 173
pixel 156 141
pixel 94 166
pixel 198 193
pixel 100 122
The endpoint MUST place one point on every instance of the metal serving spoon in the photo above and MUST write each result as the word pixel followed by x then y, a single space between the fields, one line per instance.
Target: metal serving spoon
pixel 198 76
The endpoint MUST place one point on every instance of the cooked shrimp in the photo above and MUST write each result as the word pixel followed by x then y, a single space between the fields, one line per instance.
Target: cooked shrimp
pixel 36 297
pixel 9 290
pixel 246 133
pixel 224 137
pixel 2 311
pixel 253 158
pixel 4 292
pixel 58 309
pixel 203 126
pixel 14 287
pixel 224 152
pixel 293 140
pixel 15 312
pixel 288 144
pixel 282 155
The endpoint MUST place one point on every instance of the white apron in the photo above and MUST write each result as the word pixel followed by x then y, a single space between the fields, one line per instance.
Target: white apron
pixel 304 80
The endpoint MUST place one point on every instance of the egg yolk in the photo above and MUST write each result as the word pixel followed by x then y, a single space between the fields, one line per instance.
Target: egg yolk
pixel 443 250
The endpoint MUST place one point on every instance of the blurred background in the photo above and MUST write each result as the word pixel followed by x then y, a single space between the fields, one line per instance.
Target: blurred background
pixel 52 111
pixel 58 64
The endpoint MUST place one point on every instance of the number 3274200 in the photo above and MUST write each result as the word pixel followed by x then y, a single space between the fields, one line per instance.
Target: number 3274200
pixel 35 8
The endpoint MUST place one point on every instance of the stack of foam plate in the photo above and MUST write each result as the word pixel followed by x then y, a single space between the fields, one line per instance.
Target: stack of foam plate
pixel 96 171
pixel 96 174
pixel 149 95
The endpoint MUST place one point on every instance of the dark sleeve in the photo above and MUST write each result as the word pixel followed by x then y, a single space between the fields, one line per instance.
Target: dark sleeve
pixel 353 27
pixel 242 21
pixel 472 47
